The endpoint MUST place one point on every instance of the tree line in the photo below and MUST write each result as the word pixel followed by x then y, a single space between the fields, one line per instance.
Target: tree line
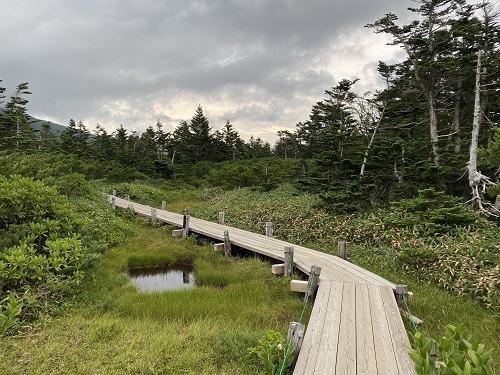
pixel 433 124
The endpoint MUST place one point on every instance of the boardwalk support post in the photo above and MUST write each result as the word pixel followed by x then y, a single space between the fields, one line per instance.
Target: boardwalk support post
pixel 269 229
pixel 278 269
pixel 313 282
pixel 288 261
pixel 127 197
pixel 220 220
pixel 177 232
pixel 185 224
pixel 432 354
pixel 343 249
pixel 103 189
pixel 113 202
pixel 143 200
pixel 401 293
pixel 227 244
pixel 296 336
pixel 153 216
pixel 163 205
pixel 114 193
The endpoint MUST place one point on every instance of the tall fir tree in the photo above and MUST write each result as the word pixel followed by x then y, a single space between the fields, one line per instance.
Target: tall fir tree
pixel 201 142
pixel 16 130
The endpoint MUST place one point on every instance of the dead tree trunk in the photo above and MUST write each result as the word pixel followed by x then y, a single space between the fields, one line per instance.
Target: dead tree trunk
pixel 372 138
pixel 477 181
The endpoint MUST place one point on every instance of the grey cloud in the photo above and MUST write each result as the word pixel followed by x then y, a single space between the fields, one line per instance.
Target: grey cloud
pixel 113 61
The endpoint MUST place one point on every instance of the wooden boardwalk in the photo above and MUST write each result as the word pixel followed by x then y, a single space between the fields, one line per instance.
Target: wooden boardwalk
pixel 355 326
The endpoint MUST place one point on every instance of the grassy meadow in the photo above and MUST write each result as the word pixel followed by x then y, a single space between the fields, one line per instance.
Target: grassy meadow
pixel 111 328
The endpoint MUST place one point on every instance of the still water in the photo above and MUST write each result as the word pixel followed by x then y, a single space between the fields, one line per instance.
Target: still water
pixel 162 278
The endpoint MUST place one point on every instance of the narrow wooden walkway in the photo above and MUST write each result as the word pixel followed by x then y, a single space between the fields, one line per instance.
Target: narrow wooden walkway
pixel 355 326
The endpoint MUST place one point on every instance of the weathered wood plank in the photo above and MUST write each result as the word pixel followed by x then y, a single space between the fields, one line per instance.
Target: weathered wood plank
pixel 312 339
pixel 328 358
pixel 365 348
pixel 346 353
pixel 386 360
pixel 399 337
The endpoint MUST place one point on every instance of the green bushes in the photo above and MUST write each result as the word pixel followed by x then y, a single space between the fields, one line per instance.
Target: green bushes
pixel 47 241
pixel 271 352
pixel 10 308
pixel 454 354
pixel 430 212
pixel 38 237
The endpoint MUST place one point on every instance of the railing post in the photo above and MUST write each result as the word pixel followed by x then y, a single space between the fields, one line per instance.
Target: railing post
pixel 113 202
pixel 296 336
pixel 401 293
pixel 153 216
pixel 220 220
pixel 127 197
pixel 114 193
pixel 227 244
pixel 163 205
pixel 313 282
pixel 433 355
pixel 143 200
pixel 288 261
pixel 343 249
pixel 269 229
pixel 185 223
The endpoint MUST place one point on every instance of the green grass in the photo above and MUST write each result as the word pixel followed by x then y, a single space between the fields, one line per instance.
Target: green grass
pixel 114 329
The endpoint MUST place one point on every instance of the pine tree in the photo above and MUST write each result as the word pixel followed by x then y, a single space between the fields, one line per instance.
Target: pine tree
pixel 231 141
pixel 16 131
pixel 201 141
pixel 180 144
pixel 122 152
pixel 287 145
pixel 161 140
pixel 103 145
pixel 69 138
pixel 47 141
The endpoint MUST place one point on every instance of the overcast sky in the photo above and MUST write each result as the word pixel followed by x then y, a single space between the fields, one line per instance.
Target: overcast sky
pixel 261 64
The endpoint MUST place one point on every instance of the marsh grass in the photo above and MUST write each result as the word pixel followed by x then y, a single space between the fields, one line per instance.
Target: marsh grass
pixel 114 329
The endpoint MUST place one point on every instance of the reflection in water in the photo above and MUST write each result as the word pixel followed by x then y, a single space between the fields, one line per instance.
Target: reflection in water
pixel 162 278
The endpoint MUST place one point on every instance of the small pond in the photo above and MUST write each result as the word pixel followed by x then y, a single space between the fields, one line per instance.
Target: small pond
pixel 156 279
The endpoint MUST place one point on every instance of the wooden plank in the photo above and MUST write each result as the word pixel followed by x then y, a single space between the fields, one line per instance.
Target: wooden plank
pixel 346 353
pixel 399 337
pixel 328 357
pixel 278 269
pixel 310 350
pixel 365 348
pixel 386 360
pixel 298 286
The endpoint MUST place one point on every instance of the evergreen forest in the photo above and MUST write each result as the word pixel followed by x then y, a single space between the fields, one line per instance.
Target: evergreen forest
pixel 409 175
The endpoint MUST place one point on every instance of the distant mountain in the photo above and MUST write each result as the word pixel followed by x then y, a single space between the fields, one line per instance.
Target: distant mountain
pixel 36 124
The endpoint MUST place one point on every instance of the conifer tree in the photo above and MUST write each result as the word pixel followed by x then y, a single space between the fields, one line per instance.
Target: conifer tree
pixel 201 142
pixel 231 141
pixel 17 132
pixel 47 141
